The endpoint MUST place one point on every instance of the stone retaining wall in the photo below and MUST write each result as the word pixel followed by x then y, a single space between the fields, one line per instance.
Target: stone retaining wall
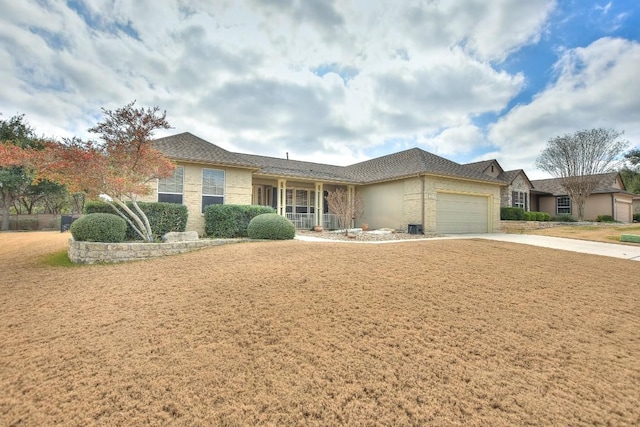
pixel 515 226
pixel 92 252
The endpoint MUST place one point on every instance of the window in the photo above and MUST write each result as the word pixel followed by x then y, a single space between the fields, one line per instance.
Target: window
pixel 563 205
pixel 300 200
pixel 170 189
pixel 212 187
pixel 519 200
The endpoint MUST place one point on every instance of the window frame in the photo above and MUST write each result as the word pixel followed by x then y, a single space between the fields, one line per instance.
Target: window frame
pixel 522 199
pixel 171 196
pixel 564 203
pixel 210 198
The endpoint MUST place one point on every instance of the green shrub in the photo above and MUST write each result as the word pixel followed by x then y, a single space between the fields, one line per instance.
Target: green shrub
pixel 99 227
pixel 565 218
pixel 540 216
pixel 229 221
pixel 604 218
pixel 636 217
pixel 529 216
pixel 512 214
pixel 546 216
pixel 271 226
pixel 163 217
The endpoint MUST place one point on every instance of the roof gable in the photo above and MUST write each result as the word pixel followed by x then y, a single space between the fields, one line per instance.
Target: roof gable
pixel 188 147
pixel 510 176
pixel 412 162
pixel 485 167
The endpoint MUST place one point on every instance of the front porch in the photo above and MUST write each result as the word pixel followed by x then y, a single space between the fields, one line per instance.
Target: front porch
pixel 306 221
pixel 303 203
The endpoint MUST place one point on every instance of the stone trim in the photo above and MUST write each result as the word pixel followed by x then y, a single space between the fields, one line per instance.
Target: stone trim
pixel 94 252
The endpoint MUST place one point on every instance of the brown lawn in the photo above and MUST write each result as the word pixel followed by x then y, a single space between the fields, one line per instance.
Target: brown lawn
pixel 600 233
pixel 437 332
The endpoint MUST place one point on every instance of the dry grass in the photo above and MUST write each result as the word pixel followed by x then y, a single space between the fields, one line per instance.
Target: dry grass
pixel 293 333
pixel 599 233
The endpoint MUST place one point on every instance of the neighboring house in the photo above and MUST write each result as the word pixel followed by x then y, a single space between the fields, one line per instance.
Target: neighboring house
pixel 609 198
pixel 412 187
pixel 517 192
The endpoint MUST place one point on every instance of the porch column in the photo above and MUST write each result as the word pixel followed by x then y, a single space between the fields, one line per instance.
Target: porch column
pixel 282 197
pixel 351 195
pixel 319 203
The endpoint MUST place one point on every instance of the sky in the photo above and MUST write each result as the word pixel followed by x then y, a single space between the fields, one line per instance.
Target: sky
pixel 334 82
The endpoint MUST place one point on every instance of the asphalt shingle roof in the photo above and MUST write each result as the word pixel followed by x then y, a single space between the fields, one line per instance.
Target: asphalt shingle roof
pixel 554 185
pixel 480 166
pixel 297 168
pixel 188 147
pixel 412 162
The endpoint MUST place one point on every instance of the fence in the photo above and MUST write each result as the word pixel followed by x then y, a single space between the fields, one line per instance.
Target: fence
pixel 42 222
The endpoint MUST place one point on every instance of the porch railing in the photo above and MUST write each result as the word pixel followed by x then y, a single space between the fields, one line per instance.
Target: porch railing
pixel 307 220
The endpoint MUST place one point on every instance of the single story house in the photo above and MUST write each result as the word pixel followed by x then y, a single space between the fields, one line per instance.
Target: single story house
pixel 609 198
pixel 411 187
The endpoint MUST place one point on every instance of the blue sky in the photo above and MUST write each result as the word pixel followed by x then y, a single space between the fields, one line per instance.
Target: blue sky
pixel 332 81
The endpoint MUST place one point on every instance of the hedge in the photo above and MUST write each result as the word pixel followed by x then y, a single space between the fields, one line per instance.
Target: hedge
pixel 565 218
pixel 271 226
pixel 636 217
pixel 229 221
pixel 604 218
pixel 512 214
pixel 99 227
pixel 163 217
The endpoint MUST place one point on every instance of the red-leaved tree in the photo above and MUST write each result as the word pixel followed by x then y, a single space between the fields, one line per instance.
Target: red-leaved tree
pixel 118 168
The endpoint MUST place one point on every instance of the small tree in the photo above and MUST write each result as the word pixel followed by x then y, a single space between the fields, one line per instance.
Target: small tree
pixel 16 138
pixel 121 167
pixel 346 206
pixel 580 159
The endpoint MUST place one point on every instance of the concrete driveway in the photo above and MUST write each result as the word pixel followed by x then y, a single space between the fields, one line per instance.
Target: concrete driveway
pixel 596 248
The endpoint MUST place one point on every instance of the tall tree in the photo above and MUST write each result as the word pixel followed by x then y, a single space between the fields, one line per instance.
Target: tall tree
pixel 118 168
pixel 631 172
pixel 16 136
pixel 580 159
pixel 346 205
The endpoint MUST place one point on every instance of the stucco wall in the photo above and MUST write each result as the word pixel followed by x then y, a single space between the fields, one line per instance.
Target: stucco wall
pixel 597 204
pixel 399 203
pixel 383 204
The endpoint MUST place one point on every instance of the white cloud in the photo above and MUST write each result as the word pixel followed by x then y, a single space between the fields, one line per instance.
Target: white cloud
pixel 597 86
pixel 247 74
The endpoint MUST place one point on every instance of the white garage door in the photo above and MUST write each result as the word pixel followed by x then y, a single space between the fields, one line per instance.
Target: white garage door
pixel 623 211
pixel 461 213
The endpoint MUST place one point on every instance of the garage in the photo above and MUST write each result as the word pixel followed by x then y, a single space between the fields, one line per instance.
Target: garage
pixel 461 213
pixel 623 211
